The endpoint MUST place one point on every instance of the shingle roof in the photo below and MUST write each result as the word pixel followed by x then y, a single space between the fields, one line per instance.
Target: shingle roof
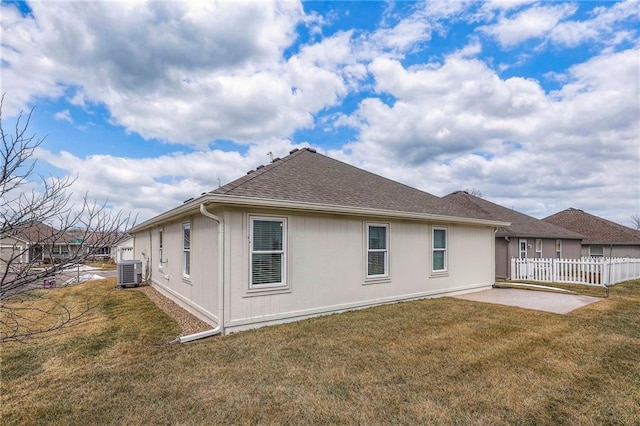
pixel 34 232
pixel 306 176
pixel 522 225
pixel 597 229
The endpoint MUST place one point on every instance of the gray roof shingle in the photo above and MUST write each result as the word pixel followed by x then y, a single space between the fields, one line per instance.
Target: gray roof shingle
pixel 306 176
pixel 596 229
pixel 522 225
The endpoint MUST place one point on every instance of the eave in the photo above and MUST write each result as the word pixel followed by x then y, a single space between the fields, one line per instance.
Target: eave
pixel 192 206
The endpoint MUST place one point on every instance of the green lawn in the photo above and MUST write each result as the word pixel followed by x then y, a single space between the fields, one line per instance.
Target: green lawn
pixel 433 361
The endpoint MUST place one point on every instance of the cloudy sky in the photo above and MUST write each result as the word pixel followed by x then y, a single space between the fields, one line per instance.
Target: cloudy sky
pixel 536 104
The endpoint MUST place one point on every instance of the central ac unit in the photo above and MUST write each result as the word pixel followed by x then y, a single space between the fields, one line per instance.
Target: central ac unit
pixel 129 272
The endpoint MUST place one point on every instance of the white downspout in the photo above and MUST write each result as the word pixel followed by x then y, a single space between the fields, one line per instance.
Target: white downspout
pixel 220 327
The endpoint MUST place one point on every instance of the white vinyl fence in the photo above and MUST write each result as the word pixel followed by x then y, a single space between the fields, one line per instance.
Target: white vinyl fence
pixel 588 270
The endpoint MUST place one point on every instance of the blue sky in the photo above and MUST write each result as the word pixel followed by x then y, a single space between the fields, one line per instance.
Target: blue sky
pixel 535 104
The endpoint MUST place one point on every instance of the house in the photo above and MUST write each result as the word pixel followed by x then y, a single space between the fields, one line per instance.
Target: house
pixel 309 235
pixel 122 249
pixel 603 237
pixel 525 237
pixel 36 242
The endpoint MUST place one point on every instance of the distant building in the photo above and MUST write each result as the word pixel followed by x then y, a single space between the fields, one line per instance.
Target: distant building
pixel 526 237
pixel 602 237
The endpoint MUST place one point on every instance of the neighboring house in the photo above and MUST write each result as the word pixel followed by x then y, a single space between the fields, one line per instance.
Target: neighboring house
pixel 603 237
pixel 13 250
pixel 37 242
pixel 309 235
pixel 122 249
pixel 526 237
pixel 96 246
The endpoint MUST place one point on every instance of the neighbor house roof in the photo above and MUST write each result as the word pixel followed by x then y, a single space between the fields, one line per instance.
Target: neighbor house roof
pixel 37 232
pixel 596 229
pixel 33 232
pixel 522 225
pixel 307 180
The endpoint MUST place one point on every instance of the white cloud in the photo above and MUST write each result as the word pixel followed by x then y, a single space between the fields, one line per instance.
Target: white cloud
pixel 603 23
pixel 63 115
pixel 553 24
pixel 458 124
pixel 175 71
pixel 149 186
pixel 533 22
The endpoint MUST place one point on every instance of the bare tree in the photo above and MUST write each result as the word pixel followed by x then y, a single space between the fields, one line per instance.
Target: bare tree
pixel 635 219
pixel 41 231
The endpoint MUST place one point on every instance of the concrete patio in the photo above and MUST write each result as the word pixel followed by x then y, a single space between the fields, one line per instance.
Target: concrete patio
pixel 556 303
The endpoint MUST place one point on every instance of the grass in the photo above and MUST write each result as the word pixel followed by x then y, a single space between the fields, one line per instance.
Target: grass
pixel 432 361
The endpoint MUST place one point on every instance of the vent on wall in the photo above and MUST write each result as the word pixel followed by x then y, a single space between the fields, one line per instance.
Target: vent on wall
pixel 129 273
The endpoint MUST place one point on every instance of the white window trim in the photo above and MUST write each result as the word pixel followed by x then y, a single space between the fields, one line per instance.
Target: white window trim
pixel 387 251
pixel 597 254
pixel 538 249
pixel 283 284
pixel 184 250
pixel 559 249
pixel 445 250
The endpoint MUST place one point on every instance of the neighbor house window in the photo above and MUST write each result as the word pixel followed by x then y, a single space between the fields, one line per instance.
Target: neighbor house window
pixel 60 250
pixel 377 250
pixel 596 251
pixel 268 244
pixel 439 253
pixel 558 249
pixel 160 246
pixel 186 249
pixel 538 249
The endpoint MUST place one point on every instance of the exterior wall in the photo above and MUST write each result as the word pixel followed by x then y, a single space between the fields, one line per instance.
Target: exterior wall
pixel 199 292
pixel 503 256
pixel 507 250
pixel 615 250
pixel 326 259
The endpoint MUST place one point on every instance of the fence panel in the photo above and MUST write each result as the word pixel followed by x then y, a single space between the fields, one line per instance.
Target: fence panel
pixel 588 270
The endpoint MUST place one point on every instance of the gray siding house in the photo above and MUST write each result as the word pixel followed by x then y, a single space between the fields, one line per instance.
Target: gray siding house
pixel 525 237
pixel 602 237
pixel 309 235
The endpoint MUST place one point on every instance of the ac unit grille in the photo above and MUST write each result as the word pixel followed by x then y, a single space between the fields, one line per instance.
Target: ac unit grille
pixel 129 272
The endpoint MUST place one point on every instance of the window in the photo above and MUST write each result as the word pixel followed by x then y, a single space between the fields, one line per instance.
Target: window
pixel 377 250
pixel 523 249
pixel 538 249
pixel 102 251
pixel 160 247
pixel 268 243
pixel 186 250
pixel 596 251
pixel 58 250
pixel 558 249
pixel 439 260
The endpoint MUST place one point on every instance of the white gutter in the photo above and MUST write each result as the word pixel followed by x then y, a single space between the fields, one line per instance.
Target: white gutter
pixel 233 200
pixel 220 327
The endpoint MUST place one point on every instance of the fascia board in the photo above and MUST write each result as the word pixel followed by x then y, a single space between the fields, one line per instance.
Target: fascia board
pixel 232 200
